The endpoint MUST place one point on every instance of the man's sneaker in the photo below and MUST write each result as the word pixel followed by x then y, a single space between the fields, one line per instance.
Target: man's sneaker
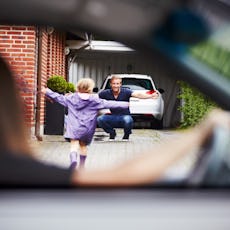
pixel 125 137
pixel 112 135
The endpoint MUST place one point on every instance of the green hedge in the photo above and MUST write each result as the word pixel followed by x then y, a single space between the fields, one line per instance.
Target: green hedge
pixel 195 104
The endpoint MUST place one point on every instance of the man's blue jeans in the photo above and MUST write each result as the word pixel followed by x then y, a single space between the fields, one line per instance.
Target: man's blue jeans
pixel 109 122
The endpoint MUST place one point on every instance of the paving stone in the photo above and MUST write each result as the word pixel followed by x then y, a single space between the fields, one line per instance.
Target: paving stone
pixel 104 153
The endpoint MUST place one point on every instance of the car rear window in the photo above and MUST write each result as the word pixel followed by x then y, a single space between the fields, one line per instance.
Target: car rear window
pixel 135 84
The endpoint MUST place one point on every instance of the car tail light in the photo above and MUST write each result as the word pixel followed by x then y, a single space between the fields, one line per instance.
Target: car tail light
pixel 151 91
pixel 148 115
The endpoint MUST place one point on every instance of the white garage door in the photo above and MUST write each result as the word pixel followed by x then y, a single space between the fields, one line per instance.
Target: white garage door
pixel 97 65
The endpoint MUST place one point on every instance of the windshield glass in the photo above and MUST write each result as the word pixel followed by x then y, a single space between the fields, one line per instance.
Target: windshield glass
pixel 134 84
pixel 189 64
pixel 215 52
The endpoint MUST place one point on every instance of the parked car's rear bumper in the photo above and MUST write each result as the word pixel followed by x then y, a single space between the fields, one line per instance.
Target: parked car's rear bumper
pixel 147 107
pixel 146 117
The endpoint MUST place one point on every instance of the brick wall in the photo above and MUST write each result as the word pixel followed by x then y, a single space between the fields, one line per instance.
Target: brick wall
pixel 53 61
pixel 43 49
pixel 56 60
pixel 17 46
pixel 32 53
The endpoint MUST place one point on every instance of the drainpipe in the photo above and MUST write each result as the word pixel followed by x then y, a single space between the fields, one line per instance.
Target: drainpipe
pixel 39 77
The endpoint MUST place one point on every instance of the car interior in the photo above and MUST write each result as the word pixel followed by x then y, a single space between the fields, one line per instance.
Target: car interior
pixel 165 33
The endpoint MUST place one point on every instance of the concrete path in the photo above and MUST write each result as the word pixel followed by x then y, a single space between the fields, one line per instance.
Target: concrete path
pixel 105 153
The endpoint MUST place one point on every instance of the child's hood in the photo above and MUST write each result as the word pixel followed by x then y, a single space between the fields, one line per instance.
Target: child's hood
pixel 81 100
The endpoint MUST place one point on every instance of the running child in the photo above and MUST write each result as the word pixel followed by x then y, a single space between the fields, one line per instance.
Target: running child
pixel 83 107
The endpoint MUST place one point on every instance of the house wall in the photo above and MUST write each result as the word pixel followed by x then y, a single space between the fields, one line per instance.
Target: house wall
pixel 53 59
pixel 33 55
pixel 56 63
pixel 17 46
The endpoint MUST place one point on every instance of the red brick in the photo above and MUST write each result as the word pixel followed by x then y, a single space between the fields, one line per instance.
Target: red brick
pixel 7 41
pixel 6 28
pixel 18 27
pixel 14 32
pixel 28 33
pixel 11 50
pixel 18 46
pixel 18 37
pixel 29 42
pixel 28 50
pixel 5 37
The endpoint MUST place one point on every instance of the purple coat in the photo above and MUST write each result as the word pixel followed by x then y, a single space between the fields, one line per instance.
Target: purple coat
pixel 82 113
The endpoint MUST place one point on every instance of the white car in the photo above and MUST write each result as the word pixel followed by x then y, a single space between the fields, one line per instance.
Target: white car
pixel 151 110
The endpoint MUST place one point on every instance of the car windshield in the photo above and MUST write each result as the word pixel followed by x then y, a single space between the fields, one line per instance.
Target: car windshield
pixel 177 57
pixel 135 84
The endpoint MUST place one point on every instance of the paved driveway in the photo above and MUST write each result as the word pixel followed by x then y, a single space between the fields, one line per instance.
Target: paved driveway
pixel 104 153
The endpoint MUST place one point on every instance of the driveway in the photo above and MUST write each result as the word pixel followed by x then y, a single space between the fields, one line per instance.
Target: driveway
pixel 105 153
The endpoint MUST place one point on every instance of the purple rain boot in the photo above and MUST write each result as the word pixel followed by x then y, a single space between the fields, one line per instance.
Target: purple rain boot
pixel 73 160
pixel 82 161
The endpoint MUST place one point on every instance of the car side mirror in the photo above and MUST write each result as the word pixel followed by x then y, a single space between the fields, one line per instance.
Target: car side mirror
pixel 95 89
pixel 161 90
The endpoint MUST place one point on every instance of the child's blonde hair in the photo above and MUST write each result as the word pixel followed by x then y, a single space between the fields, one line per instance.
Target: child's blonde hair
pixel 85 85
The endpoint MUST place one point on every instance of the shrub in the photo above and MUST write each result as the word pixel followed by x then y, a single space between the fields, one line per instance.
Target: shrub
pixel 57 84
pixel 195 105
pixel 70 87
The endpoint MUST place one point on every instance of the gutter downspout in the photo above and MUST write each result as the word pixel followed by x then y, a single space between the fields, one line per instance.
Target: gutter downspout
pixel 39 77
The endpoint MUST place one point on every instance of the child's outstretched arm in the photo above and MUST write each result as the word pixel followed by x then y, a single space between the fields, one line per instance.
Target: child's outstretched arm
pixel 109 104
pixel 61 99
